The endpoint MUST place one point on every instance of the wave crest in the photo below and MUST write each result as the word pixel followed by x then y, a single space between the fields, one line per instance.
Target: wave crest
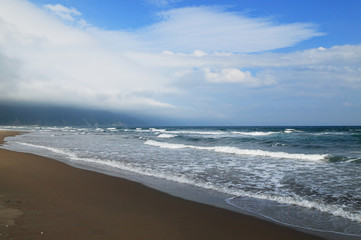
pixel 238 151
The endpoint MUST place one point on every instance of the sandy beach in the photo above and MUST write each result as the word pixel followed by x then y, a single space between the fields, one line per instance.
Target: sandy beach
pixel 41 198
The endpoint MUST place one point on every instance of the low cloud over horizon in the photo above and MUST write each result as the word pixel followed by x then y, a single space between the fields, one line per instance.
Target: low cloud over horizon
pixel 204 62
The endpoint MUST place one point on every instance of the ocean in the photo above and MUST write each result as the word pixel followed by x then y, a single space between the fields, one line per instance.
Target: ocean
pixel 307 177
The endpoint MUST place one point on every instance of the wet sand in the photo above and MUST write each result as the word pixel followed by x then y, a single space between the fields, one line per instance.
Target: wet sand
pixel 41 198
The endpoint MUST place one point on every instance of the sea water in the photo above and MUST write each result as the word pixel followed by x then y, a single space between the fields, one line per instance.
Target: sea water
pixel 308 177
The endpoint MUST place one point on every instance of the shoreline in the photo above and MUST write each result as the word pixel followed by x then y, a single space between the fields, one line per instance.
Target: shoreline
pixel 50 199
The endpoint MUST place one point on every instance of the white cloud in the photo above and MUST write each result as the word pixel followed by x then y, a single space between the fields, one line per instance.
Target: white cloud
pixel 213 29
pixel 199 53
pixel 233 75
pixel 190 52
pixel 162 3
pixel 229 75
pixel 63 12
pixel 58 63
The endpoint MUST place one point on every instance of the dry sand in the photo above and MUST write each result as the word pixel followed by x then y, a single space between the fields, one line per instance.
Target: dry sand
pixel 41 198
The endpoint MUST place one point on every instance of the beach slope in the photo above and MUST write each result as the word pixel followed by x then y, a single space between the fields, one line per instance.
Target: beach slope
pixel 41 198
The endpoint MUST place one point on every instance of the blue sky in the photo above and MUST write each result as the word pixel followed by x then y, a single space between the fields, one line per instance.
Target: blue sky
pixel 339 19
pixel 239 62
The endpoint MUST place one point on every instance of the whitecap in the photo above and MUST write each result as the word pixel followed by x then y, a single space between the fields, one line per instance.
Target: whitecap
pixel 255 133
pixel 164 135
pixel 238 151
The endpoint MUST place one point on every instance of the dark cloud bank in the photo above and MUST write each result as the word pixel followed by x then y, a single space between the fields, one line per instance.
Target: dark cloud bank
pixel 64 116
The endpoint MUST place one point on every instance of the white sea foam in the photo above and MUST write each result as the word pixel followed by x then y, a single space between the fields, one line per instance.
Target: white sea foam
pixel 335 210
pixel 297 201
pixel 206 132
pixel 198 132
pixel 219 132
pixel 154 130
pixel 254 133
pixel 291 130
pixel 55 150
pixel 329 133
pixel 238 151
pixel 157 130
pixel 165 135
pixel 140 130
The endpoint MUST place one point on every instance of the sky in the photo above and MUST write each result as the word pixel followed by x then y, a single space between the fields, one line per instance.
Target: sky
pixel 200 62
